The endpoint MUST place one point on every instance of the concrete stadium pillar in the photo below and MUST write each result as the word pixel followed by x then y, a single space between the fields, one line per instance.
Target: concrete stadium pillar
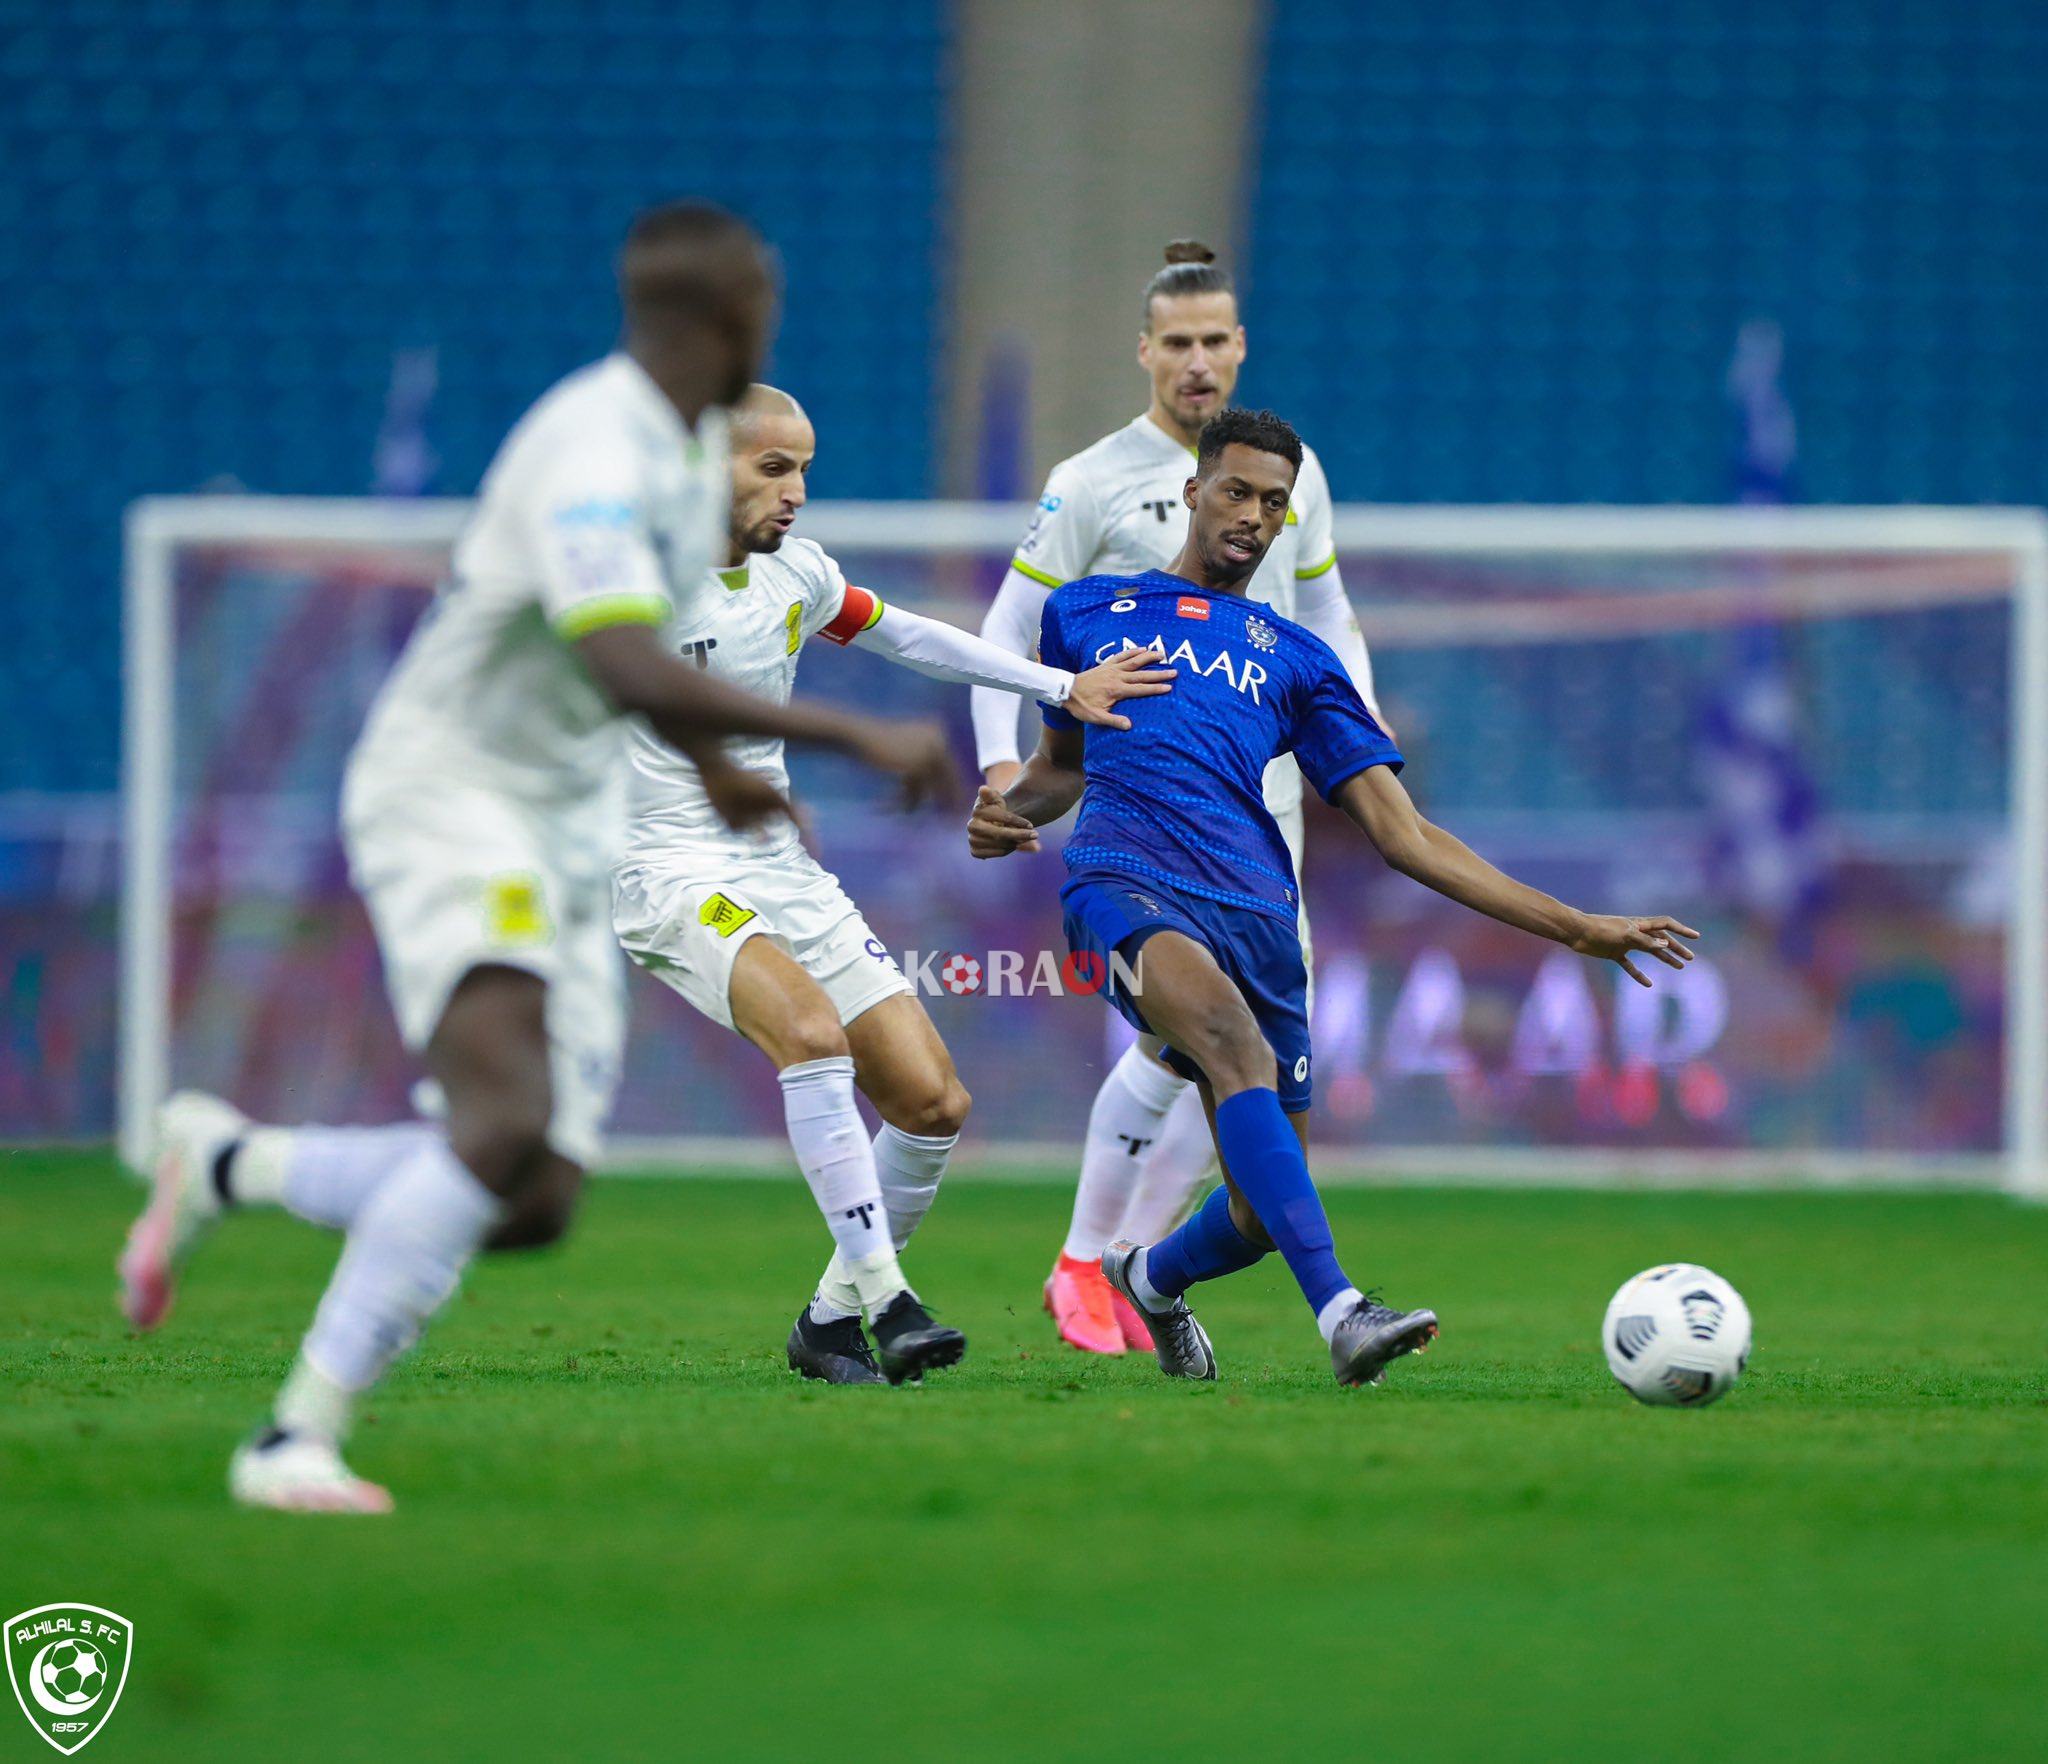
pixel 1086 133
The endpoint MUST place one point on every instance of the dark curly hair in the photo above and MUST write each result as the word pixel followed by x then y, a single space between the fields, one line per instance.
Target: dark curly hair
pixel 1246 428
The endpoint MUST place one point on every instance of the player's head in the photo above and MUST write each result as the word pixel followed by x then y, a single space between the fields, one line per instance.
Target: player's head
pixel 1245 466
pixel 1192 344
pixel 772 448
pixel 698 287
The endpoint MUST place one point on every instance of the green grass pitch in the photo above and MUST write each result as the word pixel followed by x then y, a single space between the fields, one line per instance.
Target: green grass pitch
pixel 625 1531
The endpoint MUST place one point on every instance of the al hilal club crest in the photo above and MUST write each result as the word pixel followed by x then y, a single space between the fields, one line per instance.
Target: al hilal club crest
pixel 1260 632
pixel 68 1664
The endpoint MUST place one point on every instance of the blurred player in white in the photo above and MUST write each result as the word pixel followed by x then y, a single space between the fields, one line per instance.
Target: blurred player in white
pixel 758 936
pixel 1116 509
pixel 481 810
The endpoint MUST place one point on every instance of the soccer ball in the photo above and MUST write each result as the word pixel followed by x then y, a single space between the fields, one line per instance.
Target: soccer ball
pixel 75 1672
pixel 1678 1334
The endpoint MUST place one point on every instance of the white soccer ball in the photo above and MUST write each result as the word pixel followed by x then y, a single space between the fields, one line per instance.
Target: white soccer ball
pixel 1677 1335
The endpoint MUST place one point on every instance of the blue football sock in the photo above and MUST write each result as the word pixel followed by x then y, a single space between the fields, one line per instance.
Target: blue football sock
pixel 1206 1247
pixel 1265 1159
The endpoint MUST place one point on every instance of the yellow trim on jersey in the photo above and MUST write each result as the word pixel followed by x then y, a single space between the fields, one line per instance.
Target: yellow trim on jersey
pixel 875 617
pixel 1322 569
pixel 611 609
pixel 793 627
pixel 1024 569
pixel 737 579
pixel 1293 516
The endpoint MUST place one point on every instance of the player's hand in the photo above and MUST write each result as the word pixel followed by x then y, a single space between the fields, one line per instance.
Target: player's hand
pixel 995 829
pixel 1003 773
pixel 743 800
pixel 1616 939
pixel 916 753
pixel 1136 673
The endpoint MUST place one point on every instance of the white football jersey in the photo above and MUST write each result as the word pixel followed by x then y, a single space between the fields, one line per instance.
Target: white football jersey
pixel 601 508
pixel 1115 509
pixel 746 625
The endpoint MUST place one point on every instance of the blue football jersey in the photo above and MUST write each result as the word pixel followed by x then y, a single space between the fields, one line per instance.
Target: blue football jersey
pixel 1178 796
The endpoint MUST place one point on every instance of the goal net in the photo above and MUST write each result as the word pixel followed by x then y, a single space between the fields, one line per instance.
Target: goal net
pixel 1821 736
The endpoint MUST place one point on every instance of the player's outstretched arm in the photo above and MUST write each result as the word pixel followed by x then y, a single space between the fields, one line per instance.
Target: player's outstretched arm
pixel 1011 624
pixel 1375 799
pixel 690 709
pixel 945 652
pixel 1048 786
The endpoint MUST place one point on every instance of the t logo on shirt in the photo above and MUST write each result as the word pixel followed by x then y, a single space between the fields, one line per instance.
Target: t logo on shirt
pixel 1191 606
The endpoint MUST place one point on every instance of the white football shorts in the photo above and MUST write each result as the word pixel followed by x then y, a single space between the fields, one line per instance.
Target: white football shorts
pixel 688 927
pixel 458 876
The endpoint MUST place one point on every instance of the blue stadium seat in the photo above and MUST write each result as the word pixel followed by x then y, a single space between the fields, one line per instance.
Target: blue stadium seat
pixel 230 226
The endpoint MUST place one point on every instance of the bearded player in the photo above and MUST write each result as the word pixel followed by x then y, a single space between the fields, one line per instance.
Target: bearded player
pixel 1177 867
pixel 481 808
pixel 1116 508
pixel 761 938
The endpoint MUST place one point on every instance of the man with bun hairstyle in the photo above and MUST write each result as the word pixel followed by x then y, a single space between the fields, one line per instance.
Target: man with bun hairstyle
pixel 1115 509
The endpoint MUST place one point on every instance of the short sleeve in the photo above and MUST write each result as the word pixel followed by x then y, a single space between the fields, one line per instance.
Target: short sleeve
pixel 1056 651
pixel 832 607
pixel 1334 736
pixel 598 560
pixel 1317 553
pixel 1065 532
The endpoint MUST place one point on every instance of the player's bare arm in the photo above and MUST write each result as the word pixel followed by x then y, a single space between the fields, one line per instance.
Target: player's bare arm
pixel 1376 800
pixel 688 707
pixel 1047 786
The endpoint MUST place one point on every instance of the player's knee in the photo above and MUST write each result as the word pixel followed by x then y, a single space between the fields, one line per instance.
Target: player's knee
pixel 505 1142
pixel 938 1111
pixel 811 1035
pixel 538 1217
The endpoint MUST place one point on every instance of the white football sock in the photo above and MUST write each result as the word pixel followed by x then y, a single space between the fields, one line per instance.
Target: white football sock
pixel 1122 1125
pixel 323 1174
pixel 1337 1310
pixel 910 1167
pixel 1175 1174
pixel 832 1150
pixel 406 1251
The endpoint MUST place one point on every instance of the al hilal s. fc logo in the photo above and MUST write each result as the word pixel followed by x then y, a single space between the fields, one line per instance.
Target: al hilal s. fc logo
pixel 1260 633
pixel 68 1664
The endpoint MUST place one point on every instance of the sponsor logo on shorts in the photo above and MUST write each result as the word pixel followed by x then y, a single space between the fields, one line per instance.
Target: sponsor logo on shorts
pixel 68 1664
pixel 1301 1069
pixel 724 914
pixel 516 910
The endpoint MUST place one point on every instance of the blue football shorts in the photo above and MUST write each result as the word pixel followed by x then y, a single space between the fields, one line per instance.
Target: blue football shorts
pixel 1107 913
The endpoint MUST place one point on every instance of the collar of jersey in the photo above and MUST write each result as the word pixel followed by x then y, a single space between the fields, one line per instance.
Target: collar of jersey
pixel 1172 446
pixel 739 578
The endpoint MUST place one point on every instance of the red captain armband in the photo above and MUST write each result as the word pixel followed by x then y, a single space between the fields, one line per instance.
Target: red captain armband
pixel 857 613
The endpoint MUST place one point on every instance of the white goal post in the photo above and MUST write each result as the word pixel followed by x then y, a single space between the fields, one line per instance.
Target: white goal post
pixel 159 529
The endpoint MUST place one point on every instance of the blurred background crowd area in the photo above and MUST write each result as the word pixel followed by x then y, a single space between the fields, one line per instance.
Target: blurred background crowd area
pixel 1586 253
